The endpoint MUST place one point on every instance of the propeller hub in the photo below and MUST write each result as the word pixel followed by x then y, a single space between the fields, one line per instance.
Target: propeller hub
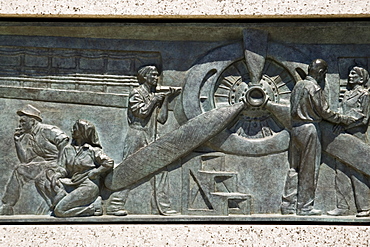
pixel 256 96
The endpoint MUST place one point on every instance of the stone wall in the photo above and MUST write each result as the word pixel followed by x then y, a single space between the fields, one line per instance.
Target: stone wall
pixel 183 235
pixel 187 9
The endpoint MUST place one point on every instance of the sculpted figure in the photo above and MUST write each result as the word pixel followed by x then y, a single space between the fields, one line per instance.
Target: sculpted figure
pixel 146 108
pixel 356 102
pixel 84 162
pixel 308 107
pixel 38 146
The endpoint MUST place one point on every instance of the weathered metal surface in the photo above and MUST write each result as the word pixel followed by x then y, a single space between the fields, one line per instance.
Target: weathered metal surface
pixel 199 121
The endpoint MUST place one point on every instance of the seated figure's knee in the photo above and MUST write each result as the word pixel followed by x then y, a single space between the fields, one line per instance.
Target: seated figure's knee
pixel 60 209
pixel 60 213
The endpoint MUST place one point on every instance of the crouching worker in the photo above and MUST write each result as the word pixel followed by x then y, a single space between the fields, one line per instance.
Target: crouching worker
pixel 38 147
pixel 84 162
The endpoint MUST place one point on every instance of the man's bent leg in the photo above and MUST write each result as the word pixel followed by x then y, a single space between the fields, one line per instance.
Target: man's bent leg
pixel 11 195
pixel 22 174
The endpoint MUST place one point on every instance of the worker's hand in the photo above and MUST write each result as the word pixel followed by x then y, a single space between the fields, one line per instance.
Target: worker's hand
pixel 347 120
pixel 174 91
pixel 337 129
pixel 18 134
pixel 54 176
pixel 94 174
pixel 158 98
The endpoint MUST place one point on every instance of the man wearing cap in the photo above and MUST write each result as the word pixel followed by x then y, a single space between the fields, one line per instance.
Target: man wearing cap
pixel 38 146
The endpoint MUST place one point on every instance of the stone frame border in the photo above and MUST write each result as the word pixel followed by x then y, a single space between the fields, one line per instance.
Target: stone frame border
pixel 134 233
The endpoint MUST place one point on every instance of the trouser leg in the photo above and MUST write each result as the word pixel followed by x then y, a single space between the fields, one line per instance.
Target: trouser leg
pixel 160 186
pixel 117 201
pixel 12 190
pixel 22 174
pixel 79 201
pixel 343 186
pixel 308 139
pixel 289 199
pixel 361 191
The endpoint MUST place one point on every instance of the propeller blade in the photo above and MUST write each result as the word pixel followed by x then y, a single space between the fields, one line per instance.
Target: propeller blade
pixel 255 51
pixel 171 147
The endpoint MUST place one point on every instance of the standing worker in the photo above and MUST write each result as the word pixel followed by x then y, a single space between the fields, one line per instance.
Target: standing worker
pixel 146 108
pixel 308 107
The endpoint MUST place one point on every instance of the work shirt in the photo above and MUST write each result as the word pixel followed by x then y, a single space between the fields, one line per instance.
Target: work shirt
pixel 308 104
pixel 356 103
pixel 140 115
pixel 45 141
pixel 142 119
pixel 78 162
